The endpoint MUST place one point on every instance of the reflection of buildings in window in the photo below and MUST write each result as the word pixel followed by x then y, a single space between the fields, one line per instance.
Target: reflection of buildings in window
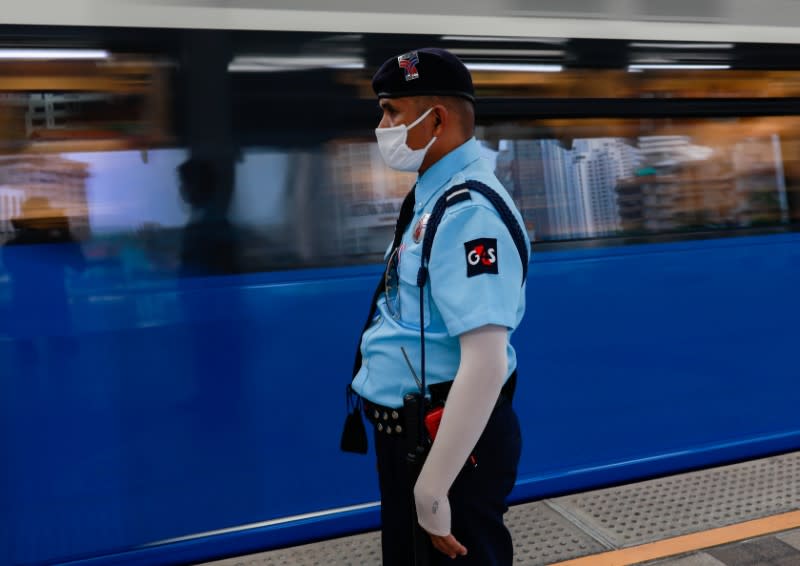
pixel 601 163
pixel 684 186
pixel 668 151
pixel 10 207
pixel 85 115
pixel 760 182
pixel 678 186
pixel 43 113
pixel 12 119
pixel 61 181
pixel 630 200
pixel 566 193
pixel 122 102
pixel 368 194
pixel 520 168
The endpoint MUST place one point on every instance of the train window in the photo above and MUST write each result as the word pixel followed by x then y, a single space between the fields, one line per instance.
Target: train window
pixel 90 100
pixel 74 124
pixel 214 152
pixel 599 142
pixel 575 181
pixel 332 205
pixel 580 179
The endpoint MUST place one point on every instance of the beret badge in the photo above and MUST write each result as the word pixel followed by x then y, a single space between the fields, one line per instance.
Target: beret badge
pixel 408 62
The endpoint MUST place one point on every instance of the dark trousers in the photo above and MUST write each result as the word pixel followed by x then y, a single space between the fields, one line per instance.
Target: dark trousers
pixel 477 497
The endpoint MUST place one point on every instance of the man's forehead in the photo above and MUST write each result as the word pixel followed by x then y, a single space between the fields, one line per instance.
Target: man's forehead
pixel 399 102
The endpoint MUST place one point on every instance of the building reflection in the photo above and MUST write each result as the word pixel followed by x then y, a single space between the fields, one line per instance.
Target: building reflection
pixel 612 186
pixel 61 181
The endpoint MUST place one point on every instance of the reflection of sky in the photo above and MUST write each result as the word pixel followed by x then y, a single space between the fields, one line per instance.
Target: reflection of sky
pixel 261 184
pixel 124 191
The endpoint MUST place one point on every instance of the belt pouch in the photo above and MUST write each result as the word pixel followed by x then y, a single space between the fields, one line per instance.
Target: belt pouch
pixel 416 448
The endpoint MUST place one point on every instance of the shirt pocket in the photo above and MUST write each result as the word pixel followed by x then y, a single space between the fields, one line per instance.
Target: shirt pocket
pixel 409 292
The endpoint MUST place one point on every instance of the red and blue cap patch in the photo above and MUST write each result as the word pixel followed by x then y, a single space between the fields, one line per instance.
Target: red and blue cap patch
pixel 408 62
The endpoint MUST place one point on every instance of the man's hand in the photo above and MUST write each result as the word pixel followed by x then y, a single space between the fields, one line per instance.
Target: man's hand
pixel 448 545
pixel 434 515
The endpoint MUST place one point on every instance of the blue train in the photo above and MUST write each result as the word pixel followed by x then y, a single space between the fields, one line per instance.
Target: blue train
pixel 192 222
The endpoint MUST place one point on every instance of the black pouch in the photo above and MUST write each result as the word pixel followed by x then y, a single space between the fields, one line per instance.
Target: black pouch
pixel 416 439
pixel 354 435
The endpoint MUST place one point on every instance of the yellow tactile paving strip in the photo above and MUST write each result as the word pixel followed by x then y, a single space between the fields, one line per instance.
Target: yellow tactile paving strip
pixel 690 543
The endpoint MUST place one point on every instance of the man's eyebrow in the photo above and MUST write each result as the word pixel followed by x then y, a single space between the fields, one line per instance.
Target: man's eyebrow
pixel 386 105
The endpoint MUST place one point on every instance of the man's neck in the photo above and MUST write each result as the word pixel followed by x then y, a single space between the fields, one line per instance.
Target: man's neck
pixel 433 156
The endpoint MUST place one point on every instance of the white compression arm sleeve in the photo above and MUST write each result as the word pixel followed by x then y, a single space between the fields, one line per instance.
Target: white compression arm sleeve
pixel 480 377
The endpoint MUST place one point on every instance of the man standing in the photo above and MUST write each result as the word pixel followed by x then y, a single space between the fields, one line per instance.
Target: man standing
pixel 473 299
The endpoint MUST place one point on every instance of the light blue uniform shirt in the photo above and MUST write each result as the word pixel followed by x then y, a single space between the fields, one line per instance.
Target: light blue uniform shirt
pixel 454 302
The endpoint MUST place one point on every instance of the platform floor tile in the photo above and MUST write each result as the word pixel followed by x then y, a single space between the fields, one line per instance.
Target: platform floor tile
pixel 767 551
pixel 791 538
pixel 585 524
pixel 543 536
pixel 358 550
pixel 697 559
pixel 653 510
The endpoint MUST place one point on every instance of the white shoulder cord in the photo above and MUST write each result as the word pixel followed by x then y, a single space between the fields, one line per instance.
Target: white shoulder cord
pixel 472 398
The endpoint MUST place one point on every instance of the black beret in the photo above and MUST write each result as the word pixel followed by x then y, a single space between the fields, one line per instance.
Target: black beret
pixel 424 72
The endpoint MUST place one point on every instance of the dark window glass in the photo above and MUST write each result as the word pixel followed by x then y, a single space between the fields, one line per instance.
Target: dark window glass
pixel 209 153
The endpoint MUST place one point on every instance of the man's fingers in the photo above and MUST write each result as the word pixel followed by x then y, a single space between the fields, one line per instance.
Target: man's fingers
pixel 444 548
pixel 439 545
pixel 448 545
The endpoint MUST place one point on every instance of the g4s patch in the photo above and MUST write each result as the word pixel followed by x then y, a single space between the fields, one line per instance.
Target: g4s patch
pixel 481 255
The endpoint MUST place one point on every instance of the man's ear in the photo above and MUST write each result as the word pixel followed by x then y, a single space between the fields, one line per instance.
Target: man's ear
pixel 441 117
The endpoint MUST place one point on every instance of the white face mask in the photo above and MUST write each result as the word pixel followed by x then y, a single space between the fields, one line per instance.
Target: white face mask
pixel 395 152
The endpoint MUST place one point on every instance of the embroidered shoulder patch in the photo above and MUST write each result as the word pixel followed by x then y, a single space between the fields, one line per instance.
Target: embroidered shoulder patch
pixel 481 256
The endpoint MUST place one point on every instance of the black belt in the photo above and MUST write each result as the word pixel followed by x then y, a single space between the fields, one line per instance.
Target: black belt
pixel 390 421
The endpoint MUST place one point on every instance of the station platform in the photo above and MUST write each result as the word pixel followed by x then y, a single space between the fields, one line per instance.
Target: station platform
pixel 745 514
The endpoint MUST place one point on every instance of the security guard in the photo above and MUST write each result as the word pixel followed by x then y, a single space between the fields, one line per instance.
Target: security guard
pixel 472 301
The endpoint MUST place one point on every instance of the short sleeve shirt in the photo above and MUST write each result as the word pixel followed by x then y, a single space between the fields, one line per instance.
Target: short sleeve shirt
pixel 475 279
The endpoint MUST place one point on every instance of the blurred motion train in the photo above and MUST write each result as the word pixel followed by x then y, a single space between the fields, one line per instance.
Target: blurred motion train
pixel 193 213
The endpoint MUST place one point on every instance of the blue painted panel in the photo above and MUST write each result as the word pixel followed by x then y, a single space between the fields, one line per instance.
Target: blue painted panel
pixel 163 409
